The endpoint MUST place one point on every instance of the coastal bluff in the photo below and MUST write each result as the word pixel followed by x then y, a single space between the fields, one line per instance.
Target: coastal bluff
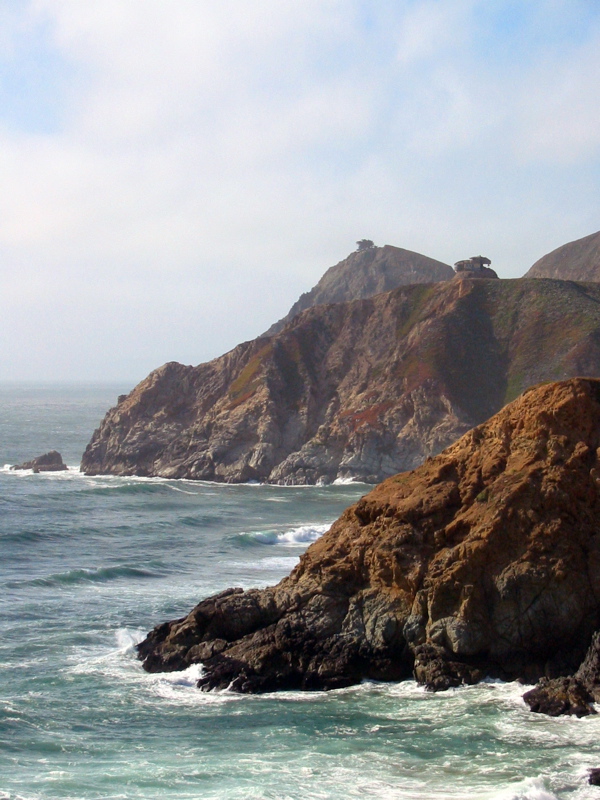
pixel 354 390
pixel 483 561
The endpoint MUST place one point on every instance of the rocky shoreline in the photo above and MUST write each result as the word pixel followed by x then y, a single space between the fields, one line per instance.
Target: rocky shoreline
pixel 481 562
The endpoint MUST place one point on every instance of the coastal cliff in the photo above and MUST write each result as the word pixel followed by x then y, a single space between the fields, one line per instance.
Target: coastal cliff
pixel 482 561
pixel 357 390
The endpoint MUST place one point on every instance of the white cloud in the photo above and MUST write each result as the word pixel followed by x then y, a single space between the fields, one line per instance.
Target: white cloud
pixel 218 157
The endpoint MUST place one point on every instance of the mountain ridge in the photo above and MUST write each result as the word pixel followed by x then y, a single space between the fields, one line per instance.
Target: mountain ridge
pixel 357 390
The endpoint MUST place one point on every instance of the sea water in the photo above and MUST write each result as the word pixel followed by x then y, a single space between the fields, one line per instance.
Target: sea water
pixel 90 564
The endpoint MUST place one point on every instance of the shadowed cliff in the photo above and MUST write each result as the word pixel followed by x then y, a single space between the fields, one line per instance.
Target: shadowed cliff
pixel 356 390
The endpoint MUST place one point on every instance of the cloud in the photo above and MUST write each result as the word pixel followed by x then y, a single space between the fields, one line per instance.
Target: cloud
pixel 216 158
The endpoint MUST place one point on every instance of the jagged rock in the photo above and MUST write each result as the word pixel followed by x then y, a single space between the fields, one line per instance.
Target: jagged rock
pixel 575 261
pixel 594 776
pixel 482 561
pixel 359 390
pixel 570 695
pixel 560 696
pixel 49 462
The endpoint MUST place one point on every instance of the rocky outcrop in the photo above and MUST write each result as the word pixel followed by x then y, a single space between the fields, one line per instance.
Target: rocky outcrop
pixel 49 462
pixel 482 561
pixel 573 695
pixel 575 261
pixel 366 273
pixel 482 273
pixel 357 390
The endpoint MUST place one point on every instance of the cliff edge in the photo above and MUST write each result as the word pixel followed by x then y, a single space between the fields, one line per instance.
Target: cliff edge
pixel 358 390
pixel 482 561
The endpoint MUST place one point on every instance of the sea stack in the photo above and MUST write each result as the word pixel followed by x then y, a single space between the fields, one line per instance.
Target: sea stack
pixel 49 462
pixel 483 561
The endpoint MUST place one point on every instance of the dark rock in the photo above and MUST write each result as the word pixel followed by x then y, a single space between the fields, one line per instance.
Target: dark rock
pixel 560 696
pixel 483 561
pixel 594 776
pixel 49 462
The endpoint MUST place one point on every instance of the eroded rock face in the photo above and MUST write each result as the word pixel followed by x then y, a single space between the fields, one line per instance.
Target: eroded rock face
pixel 482 561
pixel 49 462
pixel 360 390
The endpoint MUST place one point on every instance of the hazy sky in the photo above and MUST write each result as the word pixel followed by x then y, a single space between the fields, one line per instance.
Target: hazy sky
pixel 174 174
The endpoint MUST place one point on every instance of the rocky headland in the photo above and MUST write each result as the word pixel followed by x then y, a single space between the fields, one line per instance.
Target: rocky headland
pixel 574 261
pixel 357 390
pixel 482 561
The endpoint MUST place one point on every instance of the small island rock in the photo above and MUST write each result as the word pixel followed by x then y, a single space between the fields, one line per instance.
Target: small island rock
pixel 49 462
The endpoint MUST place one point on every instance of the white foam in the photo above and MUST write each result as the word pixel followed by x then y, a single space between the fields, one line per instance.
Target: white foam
pixel 528 789
pixel 303 534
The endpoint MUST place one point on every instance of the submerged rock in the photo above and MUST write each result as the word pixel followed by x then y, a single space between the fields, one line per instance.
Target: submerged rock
pixel 49 462
pixel 482 561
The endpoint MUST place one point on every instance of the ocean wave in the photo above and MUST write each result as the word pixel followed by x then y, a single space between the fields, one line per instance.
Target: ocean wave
pixel 98 575
pixel 303 534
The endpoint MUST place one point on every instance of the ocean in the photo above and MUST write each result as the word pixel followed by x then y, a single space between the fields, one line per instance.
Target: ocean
pixel 89 565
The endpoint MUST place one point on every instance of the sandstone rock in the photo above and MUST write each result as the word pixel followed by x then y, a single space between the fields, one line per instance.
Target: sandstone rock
pixel 357 391
pixel 482 561
pixel 49 462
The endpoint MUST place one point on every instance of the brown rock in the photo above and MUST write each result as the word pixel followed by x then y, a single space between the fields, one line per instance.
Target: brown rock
pixel 359 390
pixel 560 696
pixel 49 462
pixel 483 561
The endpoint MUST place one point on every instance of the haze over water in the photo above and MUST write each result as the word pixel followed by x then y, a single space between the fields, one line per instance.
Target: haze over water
pixel 89 565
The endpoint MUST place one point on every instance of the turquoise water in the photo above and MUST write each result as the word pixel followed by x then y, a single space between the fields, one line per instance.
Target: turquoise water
pixel 88 565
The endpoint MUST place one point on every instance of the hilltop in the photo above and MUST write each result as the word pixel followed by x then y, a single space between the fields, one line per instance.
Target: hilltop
pixel 575 261
pixel 365 273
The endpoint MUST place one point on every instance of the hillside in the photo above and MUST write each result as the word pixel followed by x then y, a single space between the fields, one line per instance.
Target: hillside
pixel 482 561
pixel 575 261
pixel 357 390
pixel 366 273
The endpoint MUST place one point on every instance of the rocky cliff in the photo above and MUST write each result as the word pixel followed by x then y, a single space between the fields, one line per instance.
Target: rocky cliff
pixel 353 390
pixel 482 561
pixel 366 273
pixel 575 261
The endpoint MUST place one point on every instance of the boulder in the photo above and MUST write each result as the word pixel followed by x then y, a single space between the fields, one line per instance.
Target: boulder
pixel 49 462
pixel 483 561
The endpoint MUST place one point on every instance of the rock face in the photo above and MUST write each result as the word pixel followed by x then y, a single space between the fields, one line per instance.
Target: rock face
pixel 572 695
pixel 366 273
pixel 575 261
pixel 49 462
pixel 483 561
pixel 356 390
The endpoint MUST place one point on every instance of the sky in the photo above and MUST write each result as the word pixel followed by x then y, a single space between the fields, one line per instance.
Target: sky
pixel 174 175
